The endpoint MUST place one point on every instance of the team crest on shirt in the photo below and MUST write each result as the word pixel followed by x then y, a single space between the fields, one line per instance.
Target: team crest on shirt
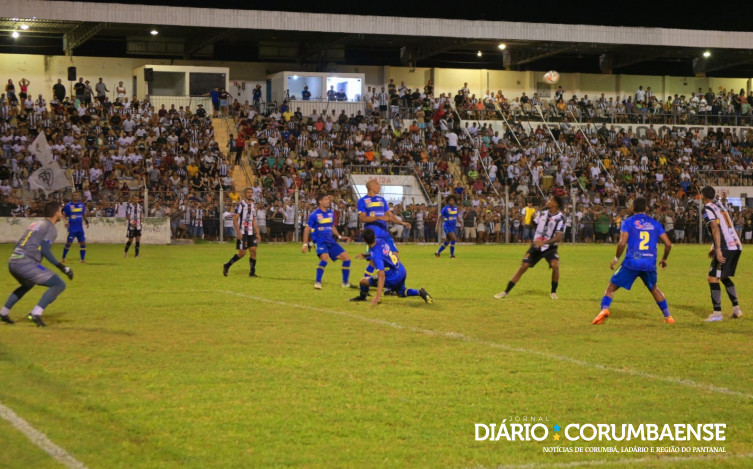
pixel 645 226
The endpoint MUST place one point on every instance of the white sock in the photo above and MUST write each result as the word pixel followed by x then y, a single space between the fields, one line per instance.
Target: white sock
pixel 37 311
pixel 4 311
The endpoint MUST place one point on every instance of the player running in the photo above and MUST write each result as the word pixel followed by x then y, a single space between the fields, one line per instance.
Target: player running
pixel 640 233
pixel 247 233
pixel 75 218
pixel 322 230
pixel 25 265
pixel 724 253
pixel 450 216
pixel 134 213
pixel 550 227
pixel 390 272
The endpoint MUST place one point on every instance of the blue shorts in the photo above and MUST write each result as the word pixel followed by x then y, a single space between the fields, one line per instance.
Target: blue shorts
pixel 79 235
pixel 624 277
pixel 388 240
pixel 449 229
pixel 329 247
pixel 384 235
pixel 393 279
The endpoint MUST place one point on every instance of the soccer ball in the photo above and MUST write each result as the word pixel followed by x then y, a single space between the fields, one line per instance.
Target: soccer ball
pixel 552 77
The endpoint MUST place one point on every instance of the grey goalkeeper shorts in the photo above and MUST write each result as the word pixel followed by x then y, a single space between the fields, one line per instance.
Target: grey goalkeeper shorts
pixel 28 273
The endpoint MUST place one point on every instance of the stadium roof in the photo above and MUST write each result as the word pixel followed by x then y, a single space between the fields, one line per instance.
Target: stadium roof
pixel 315 40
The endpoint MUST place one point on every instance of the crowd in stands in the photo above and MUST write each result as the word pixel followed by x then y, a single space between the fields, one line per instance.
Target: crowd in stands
pixel 112 150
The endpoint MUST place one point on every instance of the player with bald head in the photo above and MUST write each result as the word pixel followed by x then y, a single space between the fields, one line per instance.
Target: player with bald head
pixel 374 212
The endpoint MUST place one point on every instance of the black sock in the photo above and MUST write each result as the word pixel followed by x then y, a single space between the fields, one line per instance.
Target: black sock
pixel 128 245
pixel 233 260
pixel 731 290
pixel 138 245
pixel 554 286
pixel 252 264
pixel 510 285
pixel 716 296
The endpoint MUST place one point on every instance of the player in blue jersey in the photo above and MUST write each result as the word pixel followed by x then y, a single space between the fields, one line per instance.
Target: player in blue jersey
pixel 323 232
pixel 75 219
pixel 449 216
pixel 640 234
pixel 390 272
pixel 374 213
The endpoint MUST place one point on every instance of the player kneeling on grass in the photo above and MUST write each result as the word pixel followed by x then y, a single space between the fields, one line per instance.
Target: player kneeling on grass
pixel 390 272
pixel 640 234
pixel 322 230
pixel 25 265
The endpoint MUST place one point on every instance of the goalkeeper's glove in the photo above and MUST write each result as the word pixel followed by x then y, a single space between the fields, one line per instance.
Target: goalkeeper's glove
pixel 66 270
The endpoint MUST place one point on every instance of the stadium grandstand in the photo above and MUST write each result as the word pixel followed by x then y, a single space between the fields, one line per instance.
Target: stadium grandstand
pixel 450 148
pixel 497 133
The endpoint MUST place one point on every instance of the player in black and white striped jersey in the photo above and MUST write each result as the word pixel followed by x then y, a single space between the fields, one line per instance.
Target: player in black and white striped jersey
pixel 246 232
pixel 724 253
pixel 134 212
pixel 550 228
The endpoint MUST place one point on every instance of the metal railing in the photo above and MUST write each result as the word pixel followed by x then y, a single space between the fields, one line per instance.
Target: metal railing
pixel 477 151
pixel 726 177
pixel 595 115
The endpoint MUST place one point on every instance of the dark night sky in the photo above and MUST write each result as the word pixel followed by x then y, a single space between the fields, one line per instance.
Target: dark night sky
pixel 724 16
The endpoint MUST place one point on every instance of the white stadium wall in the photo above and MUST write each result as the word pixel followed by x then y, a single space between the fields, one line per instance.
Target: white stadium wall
pixel 43 72
pixel 101 230
pixel 411 190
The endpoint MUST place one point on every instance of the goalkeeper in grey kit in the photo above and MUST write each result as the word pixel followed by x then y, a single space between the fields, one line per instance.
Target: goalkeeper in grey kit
pixel 25 265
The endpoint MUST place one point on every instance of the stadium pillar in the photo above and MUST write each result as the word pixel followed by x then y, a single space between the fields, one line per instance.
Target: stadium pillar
pixel 700 221
pixel 146 201
pixel 221 215
pixel 507 215
pixel 573 218
pixel 439 214
pixel 297 222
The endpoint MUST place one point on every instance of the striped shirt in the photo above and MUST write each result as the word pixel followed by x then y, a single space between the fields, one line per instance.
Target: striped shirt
pixel 246 213
pixel 79 175
pixel 198 217
pixel 134 213
pixel 715 212
pixel 547 225
pixel 223 169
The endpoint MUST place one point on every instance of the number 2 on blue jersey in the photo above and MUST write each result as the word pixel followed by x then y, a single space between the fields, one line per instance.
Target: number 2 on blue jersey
pixel 645 238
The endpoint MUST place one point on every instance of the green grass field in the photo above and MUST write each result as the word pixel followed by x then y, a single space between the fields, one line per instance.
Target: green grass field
pixel 162 362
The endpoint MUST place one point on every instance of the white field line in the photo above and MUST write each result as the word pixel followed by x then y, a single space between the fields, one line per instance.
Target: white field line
pixel 40 439
pixel 713 457
pixel 508 348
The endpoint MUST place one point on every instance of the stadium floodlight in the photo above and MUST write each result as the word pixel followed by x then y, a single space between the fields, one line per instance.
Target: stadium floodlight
pixel 153 32
pixel 707 54
pixel 479 53
pixel 502 46
pixel 24 27
pixel 15 34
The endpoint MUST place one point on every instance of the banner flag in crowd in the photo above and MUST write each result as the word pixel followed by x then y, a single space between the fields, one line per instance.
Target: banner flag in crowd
pixel 49 178
pixel 41 149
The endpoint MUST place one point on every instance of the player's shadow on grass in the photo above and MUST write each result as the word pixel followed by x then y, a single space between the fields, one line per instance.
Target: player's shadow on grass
pixel 61 317
pixel 100 330
pixel 698 311
pixel 100 263
pixel 287 279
